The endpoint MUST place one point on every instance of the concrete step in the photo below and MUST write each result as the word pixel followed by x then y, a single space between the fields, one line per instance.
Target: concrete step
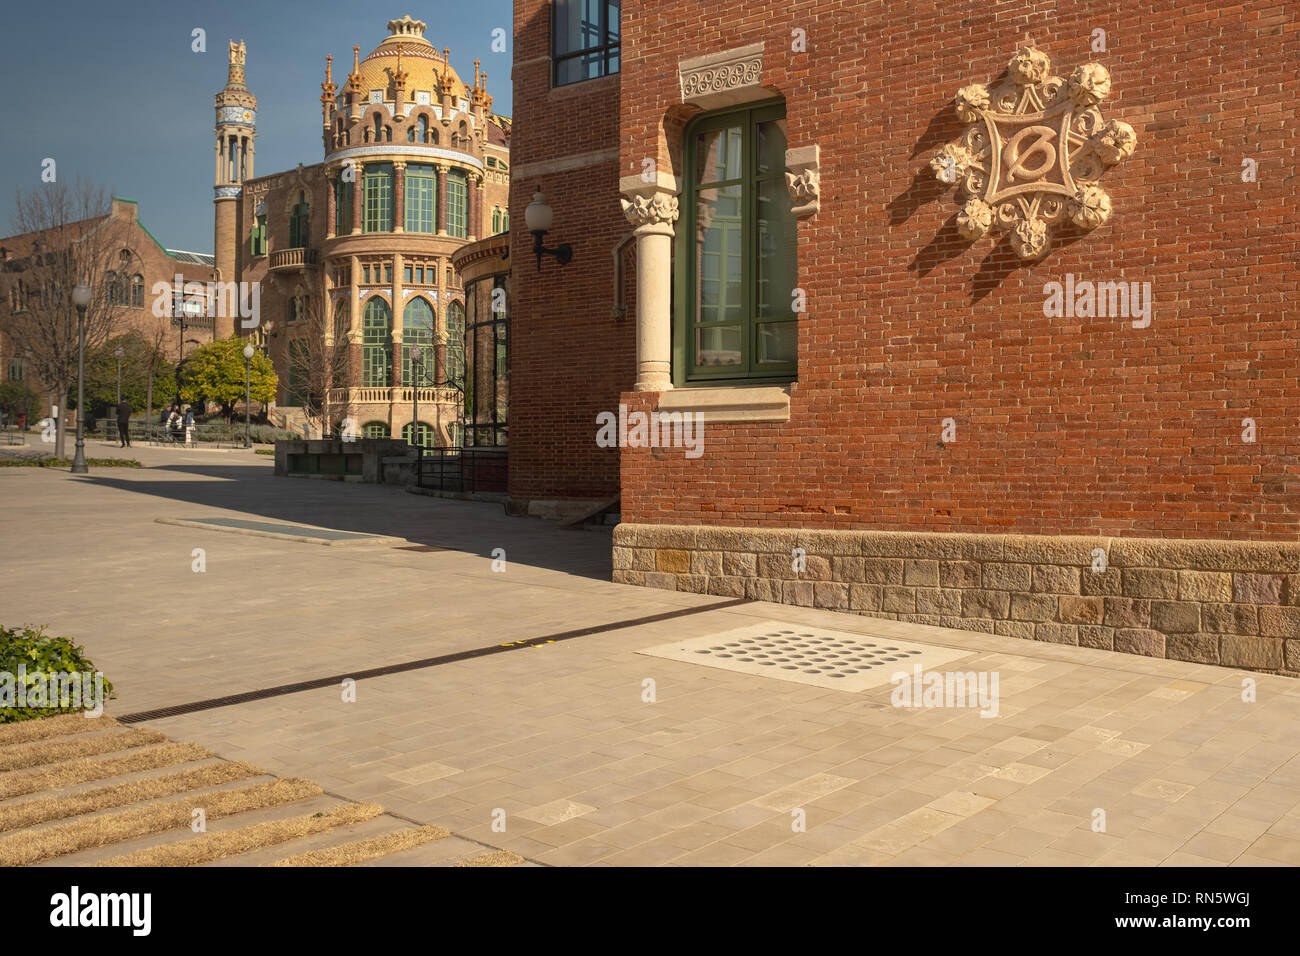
pixel 337 836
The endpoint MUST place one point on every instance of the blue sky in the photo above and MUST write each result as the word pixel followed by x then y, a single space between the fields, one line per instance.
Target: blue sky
pixel 114 93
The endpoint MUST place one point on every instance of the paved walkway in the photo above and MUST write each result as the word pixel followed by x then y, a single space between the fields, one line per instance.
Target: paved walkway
pixel 1093 757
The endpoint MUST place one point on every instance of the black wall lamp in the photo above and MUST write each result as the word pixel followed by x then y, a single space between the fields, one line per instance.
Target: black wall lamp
pixel 538 219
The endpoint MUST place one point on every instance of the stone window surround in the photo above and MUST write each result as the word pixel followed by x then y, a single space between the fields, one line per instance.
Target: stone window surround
pixel 709 82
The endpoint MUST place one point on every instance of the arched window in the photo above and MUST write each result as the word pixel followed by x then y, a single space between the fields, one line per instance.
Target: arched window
pixel 299 223
pixel 376 344
pixel 137 290
pixel 456 343
pixel 418 433
pixel 496 221
pixel 505 220
pixel 417 332
pixel 424 129
pixel 374 430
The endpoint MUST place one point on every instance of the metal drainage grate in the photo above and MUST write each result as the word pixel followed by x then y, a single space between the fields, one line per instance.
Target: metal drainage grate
pixel 808 655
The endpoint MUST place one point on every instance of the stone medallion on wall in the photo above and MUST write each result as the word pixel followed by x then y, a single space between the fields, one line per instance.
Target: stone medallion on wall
pixel 1036 146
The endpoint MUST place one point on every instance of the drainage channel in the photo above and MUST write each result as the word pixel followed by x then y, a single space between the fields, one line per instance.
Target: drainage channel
pixel 333 681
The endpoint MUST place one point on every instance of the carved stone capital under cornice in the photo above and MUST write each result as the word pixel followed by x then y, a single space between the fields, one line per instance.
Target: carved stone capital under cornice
pixel 655 209
pixel 721 79
pixel 803 179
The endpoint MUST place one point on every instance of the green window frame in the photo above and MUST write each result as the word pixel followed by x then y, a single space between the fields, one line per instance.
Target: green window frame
pixel 421 199
pixel 377 198
pixel 374 430
pixel 16 371
pixel 299 224
pixel 343 206
pixel 423 434
pixel 457 204
pixel 736 262
pixel 417 331
pixel 455 348
pixel 376 344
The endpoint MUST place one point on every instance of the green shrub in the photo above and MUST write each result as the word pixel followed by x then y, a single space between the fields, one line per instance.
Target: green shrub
pixel 39 655
pixel 33 461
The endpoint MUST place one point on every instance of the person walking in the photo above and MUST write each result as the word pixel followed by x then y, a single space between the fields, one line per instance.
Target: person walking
pixel 189 425
pixel 124 422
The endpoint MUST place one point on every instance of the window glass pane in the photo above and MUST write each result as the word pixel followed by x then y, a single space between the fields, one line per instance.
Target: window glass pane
pixel 421 195
pixel 612 17
pixel 718 345
pixel 376 344
pixel 720 251
pixel 577 25
pixel 775 251
pixel 378 198
pixel 417 332
pixel 457 204
pixel 776 343
pixel 771 148
pixel 718 154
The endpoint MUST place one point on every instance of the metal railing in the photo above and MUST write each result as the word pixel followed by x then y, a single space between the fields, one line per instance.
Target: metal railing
pixel 461 469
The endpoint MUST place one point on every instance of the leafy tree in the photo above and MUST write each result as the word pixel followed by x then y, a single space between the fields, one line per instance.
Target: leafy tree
pixel 17 399
pixel 214 374
pixel 137 354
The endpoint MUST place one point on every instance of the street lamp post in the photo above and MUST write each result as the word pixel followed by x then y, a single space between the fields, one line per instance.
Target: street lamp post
pixel 81 299
pixel 417 361
pixel 248 394
pixel 118 352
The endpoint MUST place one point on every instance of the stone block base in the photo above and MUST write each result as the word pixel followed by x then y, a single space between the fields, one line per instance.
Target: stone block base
pixel 1211 602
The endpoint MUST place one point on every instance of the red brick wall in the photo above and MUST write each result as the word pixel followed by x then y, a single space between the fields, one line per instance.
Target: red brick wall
pixel 569 357
pixel 1063 425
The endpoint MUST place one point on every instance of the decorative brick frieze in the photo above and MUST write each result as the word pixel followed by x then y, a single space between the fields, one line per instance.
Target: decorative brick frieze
pixel 1211 602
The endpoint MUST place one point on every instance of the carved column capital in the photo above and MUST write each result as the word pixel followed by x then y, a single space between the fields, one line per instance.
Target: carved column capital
pixel 803 179
pixel 654 209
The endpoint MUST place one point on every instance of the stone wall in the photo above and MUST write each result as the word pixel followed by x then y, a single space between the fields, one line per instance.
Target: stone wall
pixel 1212 602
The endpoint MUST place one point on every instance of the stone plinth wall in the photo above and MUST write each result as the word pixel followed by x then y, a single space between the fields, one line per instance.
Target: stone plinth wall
pixel 1212 602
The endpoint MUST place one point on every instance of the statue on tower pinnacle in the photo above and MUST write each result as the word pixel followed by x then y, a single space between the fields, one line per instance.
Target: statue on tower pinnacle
pixel 237 54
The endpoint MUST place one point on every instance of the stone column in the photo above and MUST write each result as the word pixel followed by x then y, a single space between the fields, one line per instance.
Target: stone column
pixel 331 206
pixel 397 320
pixel 475 211
pixel 442 198
pixel 357 190
pixel 251 153
pixel 653 210
pixel 399 196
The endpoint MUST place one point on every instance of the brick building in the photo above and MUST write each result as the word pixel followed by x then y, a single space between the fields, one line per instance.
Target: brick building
pixel 356 252
pixel 132 267
pixel 987 310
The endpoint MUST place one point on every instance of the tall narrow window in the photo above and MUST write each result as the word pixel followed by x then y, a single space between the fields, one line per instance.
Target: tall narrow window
pixel 456 343
pixel 376 344
pixel 736 262
pixel 299 223
pixel 342 207
pixel 457 204
pixel 137 290
pixel 585 39
pixel 417 433
pixel 417 332
pixel 496 222
pixel 377 198
pixel 421 197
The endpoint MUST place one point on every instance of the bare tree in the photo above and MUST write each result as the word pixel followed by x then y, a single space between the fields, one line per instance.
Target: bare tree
pixel 318 360
pixel 66 236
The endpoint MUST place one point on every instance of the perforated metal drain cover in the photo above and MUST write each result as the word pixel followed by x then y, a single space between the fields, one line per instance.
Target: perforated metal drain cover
pixel 808 655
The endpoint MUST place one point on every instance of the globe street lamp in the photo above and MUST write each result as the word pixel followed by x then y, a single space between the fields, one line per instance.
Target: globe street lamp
pixel 119 352
pixel 81 299
pixel 248 394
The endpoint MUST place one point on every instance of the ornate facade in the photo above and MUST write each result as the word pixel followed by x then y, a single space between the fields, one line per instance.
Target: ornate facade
pixel 355 253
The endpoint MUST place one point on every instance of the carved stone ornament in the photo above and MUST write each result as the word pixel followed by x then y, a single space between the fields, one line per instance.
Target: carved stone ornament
pixel 803 179
pixel 718 76
pixel 657 209
pixel 1036 147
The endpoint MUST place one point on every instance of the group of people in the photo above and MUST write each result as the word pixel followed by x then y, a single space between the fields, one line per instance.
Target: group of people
pixel 177 422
